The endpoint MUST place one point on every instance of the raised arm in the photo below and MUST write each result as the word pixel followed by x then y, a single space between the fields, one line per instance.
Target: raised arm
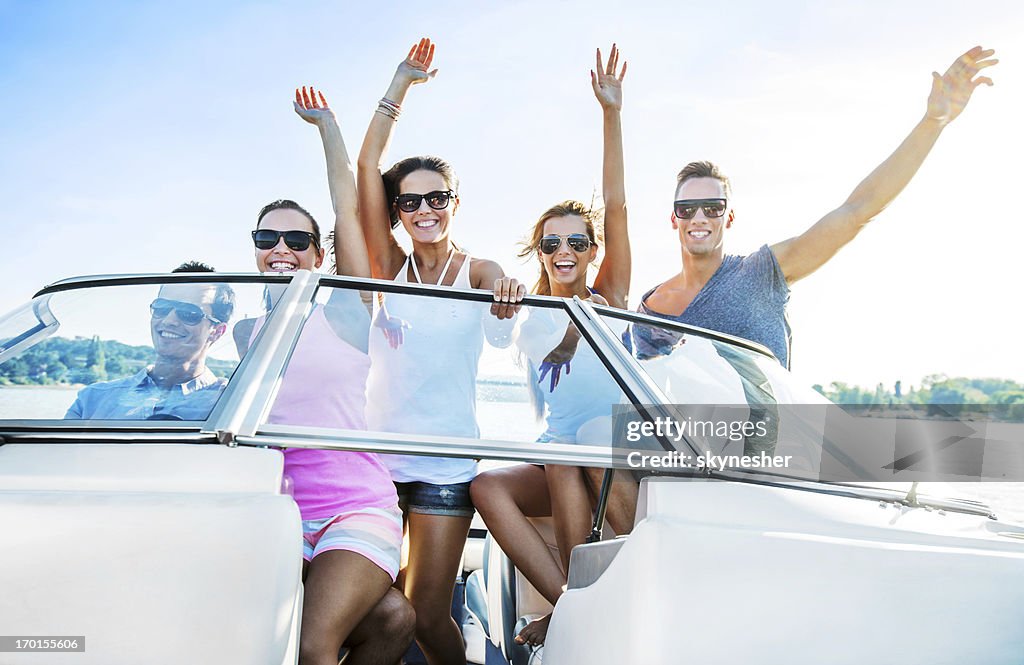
pixel 613 278
pixel 349 247
pixel 386 256
pixel 802 255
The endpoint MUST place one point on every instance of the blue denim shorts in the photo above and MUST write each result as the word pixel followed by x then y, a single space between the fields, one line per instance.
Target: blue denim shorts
pixel 430 499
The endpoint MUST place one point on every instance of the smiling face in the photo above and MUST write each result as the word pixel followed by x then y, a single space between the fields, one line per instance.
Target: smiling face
pixel 566 268
pixel 702 235
pixel 426 225
pixel 177 341
pixel 282 258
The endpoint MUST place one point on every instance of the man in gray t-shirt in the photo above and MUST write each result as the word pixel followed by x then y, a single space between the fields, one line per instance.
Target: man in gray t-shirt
pixel 747 295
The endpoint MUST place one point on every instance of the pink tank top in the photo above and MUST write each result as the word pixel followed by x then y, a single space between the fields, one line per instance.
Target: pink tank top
pixel 325 386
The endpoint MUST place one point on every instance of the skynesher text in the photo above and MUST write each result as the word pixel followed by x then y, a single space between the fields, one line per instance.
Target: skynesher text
pixel 678 460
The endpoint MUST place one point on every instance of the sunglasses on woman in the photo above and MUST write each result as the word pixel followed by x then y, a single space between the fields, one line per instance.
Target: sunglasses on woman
pixel 437 200
pixel 687 208
pixel 188 313
pixel 295 240
pixel 578 242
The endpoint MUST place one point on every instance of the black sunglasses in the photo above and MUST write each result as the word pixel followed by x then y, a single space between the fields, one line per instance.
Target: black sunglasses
pixel 687 208
pixel 579 242
pixel 296 240
pixel 411 202
pixel 188 313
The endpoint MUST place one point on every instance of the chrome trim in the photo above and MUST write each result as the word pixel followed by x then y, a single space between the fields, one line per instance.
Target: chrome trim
pixel 253 386
pixel 295 436
pixel 122 436
pixel 46 325
pixel 447 292
pixel 73 283
pixel 359 283
pixel 78 425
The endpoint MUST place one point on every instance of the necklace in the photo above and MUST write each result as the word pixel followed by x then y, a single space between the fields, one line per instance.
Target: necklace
pixel 444 271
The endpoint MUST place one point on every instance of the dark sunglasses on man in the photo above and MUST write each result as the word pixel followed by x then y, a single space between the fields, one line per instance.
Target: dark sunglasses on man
pixel 188 313
pixel 687 208
pixel 437 200
pixel 295 240
pixel 578 242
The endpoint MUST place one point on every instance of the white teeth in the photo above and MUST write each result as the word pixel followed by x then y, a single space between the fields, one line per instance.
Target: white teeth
pixel 565 264
pixel 282 265
pixel 169 335
pixel 700 234
pixel 425 223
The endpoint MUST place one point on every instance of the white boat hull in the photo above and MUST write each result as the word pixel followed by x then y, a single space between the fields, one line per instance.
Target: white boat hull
pixel 722 572
pixel 153 553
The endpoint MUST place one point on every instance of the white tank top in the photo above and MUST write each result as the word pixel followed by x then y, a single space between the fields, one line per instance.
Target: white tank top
pixel 428 385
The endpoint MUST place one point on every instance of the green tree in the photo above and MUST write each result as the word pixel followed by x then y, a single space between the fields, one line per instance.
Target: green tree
pixel 96 360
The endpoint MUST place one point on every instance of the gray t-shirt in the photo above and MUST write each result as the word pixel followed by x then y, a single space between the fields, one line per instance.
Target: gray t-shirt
pixel 746 297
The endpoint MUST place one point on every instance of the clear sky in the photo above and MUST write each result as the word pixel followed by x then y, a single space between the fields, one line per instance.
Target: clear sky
pixel 137 135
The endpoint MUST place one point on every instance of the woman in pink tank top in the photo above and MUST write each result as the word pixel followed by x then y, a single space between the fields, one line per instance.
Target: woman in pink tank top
pixel 352 526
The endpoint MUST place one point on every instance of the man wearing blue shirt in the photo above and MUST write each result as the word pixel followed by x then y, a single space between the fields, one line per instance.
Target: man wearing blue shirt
pixel 185 321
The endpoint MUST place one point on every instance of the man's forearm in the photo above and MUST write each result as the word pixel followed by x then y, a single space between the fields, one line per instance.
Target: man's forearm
pixel 889 178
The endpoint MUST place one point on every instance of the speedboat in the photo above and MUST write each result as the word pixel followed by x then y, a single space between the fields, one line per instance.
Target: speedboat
pixel 156 536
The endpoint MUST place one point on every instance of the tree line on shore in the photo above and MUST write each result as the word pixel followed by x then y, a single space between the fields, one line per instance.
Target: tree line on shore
pixel 934 389
pixel 83 360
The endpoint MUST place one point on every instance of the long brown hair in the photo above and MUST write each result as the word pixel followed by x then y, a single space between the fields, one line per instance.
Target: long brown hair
pixel 591 220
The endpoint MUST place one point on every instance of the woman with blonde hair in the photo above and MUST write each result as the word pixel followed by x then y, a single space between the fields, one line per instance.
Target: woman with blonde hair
pixel 572 382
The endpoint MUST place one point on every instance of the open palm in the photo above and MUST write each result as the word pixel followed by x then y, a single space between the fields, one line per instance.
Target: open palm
pixel 951 91
pixel 416 66
pixel 312 105
pixel 607 85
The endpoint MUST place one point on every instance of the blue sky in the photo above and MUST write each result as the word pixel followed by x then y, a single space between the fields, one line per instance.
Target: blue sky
pixel 136 135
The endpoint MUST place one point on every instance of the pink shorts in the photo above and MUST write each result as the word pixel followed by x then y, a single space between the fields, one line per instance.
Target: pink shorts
pixel 375 533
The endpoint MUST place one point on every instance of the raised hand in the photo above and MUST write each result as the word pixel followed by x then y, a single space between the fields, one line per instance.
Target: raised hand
pixel 312 106
pixel 951 91
pixel 416 66
pixel 607 85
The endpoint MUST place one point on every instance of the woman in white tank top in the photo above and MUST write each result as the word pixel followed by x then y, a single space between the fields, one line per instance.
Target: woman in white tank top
pixel 424 379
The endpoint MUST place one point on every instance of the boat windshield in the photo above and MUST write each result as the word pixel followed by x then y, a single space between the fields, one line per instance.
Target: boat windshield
pixel 727 399
pixel 125 352
pixel 433 367
pixel 403 369
pixel 325 362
